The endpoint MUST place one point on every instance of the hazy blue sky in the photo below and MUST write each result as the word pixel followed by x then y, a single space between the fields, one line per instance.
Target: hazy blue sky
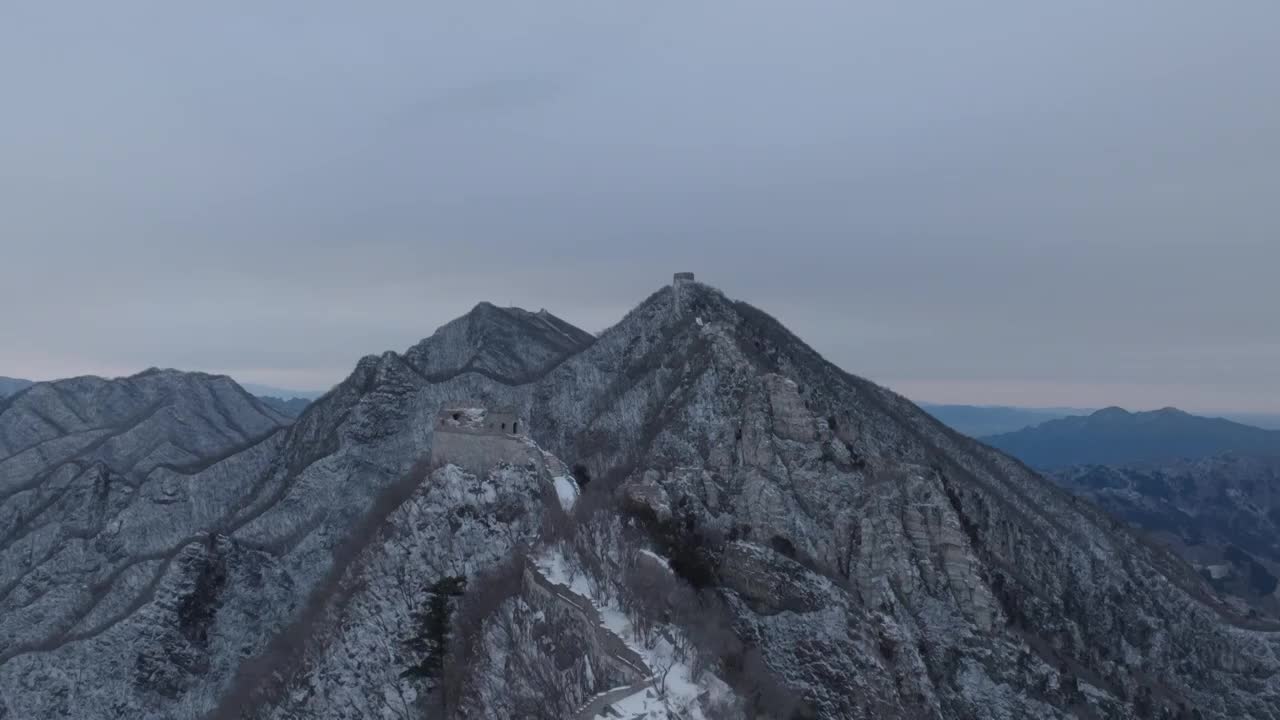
pixel 1006 202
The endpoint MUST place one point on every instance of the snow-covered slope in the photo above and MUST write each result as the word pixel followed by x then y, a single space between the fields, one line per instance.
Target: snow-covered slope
pixel 882 563
pixel 108 492
pixel 160 529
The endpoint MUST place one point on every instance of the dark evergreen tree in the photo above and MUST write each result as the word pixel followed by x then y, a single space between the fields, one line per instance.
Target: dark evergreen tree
pixel 434 627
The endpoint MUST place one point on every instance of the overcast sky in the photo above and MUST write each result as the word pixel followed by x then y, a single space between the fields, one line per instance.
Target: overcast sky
pixel 1020 202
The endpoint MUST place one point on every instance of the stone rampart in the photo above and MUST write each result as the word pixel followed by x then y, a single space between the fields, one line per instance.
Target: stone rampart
pixel 477 451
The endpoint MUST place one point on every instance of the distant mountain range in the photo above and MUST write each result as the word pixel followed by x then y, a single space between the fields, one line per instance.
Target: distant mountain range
pixel 281 393
pixel 289 403
pixel 980 420
pixel 1268 421
pixel 1222 514
pixel 9 386
pixel 292 407
pixel 1114 436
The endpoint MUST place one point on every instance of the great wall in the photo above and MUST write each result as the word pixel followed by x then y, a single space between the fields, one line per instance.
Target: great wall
pixel 476 438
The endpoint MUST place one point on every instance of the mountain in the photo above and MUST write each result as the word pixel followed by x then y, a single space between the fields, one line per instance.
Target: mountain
pixel 508 345
pixel 1114 436
pixel 1267 421
pixel 706 519
pixel 1222 514
pixel 9 386
pixel 292 407
pixel 289 403
pixel 281 393
pixel 980 420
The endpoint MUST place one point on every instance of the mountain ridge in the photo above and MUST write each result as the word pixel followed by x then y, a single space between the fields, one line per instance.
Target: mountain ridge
pixel 867 558
pixel 981 420
pixel 1114 436
pixel 9 386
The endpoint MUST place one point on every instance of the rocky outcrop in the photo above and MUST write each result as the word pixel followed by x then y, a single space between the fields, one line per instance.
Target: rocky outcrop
pixel 769 582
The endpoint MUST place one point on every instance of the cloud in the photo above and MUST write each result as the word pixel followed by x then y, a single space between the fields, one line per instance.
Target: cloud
pixel 949 199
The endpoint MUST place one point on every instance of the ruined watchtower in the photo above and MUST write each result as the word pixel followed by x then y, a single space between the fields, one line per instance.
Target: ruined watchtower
pixel 679 288
pixel 475 437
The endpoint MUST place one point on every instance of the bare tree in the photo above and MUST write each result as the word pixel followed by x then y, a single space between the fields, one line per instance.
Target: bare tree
pixel 661 667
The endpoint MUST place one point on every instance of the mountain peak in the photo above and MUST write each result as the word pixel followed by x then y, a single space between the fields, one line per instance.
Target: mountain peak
pixel 507 344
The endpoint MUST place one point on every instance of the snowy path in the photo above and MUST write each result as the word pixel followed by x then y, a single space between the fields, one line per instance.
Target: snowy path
pixel 596 707
pixel 679 693
pixel 619 650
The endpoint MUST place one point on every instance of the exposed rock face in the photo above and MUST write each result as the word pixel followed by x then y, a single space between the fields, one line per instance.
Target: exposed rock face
pixel 880 564
pixel 769 582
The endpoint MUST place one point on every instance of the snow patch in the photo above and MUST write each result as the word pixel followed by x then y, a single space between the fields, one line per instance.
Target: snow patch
pixel 567 491
pixel 660 560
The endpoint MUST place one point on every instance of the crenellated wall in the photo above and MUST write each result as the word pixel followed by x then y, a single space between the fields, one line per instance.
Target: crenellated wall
pixel 606 647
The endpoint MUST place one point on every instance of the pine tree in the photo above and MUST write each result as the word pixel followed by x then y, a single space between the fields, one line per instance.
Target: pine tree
pixel 434 622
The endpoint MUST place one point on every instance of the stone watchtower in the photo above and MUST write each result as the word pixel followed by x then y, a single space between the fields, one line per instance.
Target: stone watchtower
pixel 679 290
pixel 477 438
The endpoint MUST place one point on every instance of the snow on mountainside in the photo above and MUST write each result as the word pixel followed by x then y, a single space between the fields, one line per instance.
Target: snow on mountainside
pixel 811 544
pixel 506 344
pixel 107 487
pixel 1221 513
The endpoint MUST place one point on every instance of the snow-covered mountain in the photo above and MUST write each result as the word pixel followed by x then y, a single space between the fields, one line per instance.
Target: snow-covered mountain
pixel 758 533
pixel 1220 513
